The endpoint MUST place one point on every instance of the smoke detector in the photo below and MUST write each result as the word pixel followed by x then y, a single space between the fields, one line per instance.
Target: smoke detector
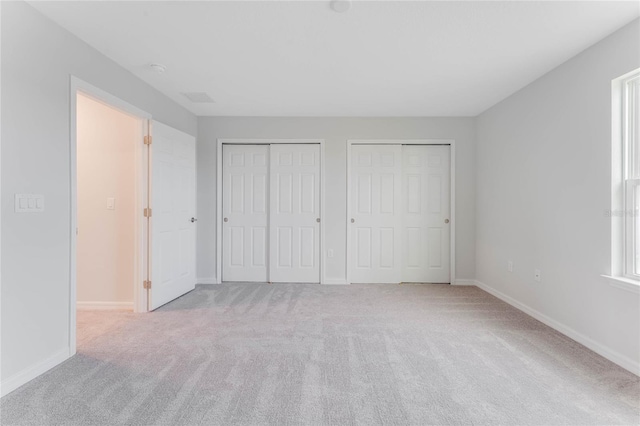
pixel 340 6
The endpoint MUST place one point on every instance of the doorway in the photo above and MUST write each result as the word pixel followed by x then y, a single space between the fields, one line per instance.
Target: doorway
pixel 133 208
pixel 106 233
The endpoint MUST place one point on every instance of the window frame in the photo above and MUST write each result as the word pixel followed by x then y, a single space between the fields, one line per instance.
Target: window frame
pixel 629 160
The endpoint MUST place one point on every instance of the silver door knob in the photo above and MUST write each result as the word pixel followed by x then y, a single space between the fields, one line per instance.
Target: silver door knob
pixel 318 220
pixel 193 219
pixel 353 220
pixel 226 219
pixel 446 221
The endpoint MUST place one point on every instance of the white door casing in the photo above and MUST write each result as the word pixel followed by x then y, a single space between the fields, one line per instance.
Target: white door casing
pixel 245 207
pixel 375 214
pixel 426 210
pixel 173 204
pixel 294 213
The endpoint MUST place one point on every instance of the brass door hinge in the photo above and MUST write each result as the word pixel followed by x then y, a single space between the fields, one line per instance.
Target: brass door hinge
pixel 148 140
pixel 148 212
pixel 146 284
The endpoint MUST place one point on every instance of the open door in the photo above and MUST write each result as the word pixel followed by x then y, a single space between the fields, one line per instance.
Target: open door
pixel 172 222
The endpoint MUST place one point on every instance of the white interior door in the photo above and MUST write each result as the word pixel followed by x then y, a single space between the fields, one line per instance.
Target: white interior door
pixel 294 213
pixel 376 213
pixel 426 209
pixel 244 207
pixel 173 204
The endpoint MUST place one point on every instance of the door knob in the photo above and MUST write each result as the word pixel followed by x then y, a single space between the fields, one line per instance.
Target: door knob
pixel 353 220
pixel 193 219
pixel 446 221
pixel 318 220
pixel 226 219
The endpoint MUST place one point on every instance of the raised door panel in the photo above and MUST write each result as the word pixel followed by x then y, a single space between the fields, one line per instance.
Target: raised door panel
pixel 375 229
pixel 244 207
pixel 425 216
pixel 295 196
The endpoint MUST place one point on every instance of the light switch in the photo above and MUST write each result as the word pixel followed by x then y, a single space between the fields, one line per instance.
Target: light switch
pixel 29 203
pixel 111 203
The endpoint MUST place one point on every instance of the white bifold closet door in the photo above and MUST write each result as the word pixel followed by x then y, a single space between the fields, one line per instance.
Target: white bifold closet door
pixel 245 200
pixel 295 213
pixel 375 213
pixel 400 208
pixel 271 208
pixel 425 220
pixel 173 203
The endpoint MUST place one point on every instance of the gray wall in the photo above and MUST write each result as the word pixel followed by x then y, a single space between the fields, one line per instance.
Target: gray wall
pixel 543 186
pixel 37 59
pixel 336 132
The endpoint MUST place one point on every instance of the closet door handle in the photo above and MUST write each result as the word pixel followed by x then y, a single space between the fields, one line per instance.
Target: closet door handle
pixel 226 219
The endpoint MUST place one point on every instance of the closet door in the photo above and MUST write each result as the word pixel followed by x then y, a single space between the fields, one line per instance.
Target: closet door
pixel 295 213
pixel 425 213
pixel 244 207
pixel 376 213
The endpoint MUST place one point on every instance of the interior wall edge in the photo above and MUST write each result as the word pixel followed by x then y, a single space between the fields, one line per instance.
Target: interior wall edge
pixel 599 348
pixel 14 382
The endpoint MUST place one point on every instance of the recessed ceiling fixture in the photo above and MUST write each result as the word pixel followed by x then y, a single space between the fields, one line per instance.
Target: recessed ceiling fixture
pixel 159 68
pixel 199 97
pixel 340 6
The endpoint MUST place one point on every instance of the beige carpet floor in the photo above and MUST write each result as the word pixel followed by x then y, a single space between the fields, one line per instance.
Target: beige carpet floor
pixel 337 355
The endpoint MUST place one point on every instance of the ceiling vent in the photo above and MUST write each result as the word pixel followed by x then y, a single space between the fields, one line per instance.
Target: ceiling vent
pixel 199 97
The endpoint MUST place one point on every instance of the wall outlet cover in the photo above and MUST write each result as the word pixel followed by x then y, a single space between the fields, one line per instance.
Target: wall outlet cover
pixel 29 203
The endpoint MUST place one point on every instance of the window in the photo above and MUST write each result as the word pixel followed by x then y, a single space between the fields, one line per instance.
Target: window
pixel 630 194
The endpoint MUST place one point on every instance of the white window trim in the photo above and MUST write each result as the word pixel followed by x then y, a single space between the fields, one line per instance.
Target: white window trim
pixel 622 198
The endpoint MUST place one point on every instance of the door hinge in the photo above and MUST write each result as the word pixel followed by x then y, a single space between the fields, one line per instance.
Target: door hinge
pixel 148 140
pixel 148 212
pixel 146 284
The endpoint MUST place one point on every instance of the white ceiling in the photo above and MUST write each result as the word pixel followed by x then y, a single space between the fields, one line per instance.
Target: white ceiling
pixel 275 58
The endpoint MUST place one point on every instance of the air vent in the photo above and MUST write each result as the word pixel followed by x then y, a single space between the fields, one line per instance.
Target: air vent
pixel 199 97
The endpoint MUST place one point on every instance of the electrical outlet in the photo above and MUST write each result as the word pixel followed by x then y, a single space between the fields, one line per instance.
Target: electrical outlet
pixel 537 275
pixel 330 253
pixel 510 266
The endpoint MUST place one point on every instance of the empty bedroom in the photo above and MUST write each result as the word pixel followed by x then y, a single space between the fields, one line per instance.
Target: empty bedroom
pixel 320 212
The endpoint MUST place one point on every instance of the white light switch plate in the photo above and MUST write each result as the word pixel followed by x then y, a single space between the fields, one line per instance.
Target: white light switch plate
pixel 111 203
pixel 29 203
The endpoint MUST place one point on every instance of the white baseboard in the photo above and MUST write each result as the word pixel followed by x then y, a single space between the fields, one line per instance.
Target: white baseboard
pixel 207 280
pixel 335 281
pixel 613 356
pixel 28 374
pixel 464 281
pixel 104 306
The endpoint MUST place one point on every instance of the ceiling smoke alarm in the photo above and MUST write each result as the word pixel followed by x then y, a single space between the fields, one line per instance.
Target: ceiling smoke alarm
pixel 340 6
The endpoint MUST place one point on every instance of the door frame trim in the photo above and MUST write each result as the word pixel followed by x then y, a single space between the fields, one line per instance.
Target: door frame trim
pixel 78 86
pixel 218 218
pixel 452 195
